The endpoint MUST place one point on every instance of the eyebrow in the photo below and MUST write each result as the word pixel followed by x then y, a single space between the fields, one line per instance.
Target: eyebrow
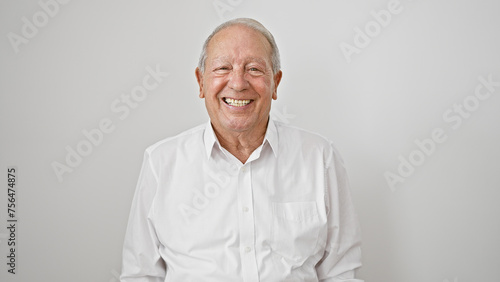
pixel 258 60
pixel 251 59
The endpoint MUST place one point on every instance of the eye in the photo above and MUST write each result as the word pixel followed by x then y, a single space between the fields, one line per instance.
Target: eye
pixel 222 70
pixel 255 71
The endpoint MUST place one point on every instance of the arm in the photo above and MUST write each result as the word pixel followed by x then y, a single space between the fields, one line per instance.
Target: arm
pixel 141 258
pixel 342 252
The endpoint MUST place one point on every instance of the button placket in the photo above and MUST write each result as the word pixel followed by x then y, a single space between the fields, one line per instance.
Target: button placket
pixel 247 224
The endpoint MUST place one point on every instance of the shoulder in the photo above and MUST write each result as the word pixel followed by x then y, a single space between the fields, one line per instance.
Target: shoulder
pixel 191 137
pixel 308 142
pixel 301 136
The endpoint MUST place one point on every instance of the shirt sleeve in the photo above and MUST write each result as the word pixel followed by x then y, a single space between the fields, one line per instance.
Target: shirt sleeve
pixel 141 260
pixel 343 247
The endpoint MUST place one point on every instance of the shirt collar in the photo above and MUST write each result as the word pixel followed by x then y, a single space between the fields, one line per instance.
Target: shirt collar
pixel 271 137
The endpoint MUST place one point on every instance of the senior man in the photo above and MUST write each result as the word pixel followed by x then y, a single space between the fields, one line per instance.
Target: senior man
pixel 242 197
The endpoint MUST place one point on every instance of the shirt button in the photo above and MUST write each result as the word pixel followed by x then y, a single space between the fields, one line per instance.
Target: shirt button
pixel 243 169
pixel 245 209
pixel 248 249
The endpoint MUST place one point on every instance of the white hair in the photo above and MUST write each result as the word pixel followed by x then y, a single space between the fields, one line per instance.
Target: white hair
pixel 253 24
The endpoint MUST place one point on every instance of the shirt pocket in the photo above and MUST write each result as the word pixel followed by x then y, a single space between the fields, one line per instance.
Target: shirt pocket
pixel 295 231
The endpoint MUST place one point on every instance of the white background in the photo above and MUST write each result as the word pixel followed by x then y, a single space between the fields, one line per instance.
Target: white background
pixel 442 223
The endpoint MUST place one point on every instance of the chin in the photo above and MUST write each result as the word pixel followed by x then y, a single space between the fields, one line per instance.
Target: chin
pixel 239 124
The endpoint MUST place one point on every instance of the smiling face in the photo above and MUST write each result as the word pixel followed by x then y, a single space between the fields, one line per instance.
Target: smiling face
pixel 238 83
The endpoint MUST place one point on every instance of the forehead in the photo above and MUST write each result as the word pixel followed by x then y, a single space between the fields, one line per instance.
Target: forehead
pixel 239 41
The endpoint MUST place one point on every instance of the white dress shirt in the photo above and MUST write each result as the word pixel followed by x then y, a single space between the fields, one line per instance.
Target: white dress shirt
pixel 199 214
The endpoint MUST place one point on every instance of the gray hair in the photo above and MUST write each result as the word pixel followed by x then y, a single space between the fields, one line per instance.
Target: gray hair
pixel 253 24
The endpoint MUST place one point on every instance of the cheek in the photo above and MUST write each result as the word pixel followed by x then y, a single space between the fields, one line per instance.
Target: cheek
pixel 265 89
pixel 215 86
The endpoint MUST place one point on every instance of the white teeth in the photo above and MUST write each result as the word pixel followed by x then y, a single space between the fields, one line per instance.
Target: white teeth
pixel 236 103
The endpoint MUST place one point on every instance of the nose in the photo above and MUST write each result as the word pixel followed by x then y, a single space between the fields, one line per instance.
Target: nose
pixel 237 80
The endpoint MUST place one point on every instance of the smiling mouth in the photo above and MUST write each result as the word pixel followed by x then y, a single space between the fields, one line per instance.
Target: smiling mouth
pixel 236 103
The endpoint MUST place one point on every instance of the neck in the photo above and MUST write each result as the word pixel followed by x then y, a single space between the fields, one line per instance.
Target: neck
pixel 241 144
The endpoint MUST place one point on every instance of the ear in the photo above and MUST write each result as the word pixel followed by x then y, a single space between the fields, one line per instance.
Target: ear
pixel 199 78
pixel 277 80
